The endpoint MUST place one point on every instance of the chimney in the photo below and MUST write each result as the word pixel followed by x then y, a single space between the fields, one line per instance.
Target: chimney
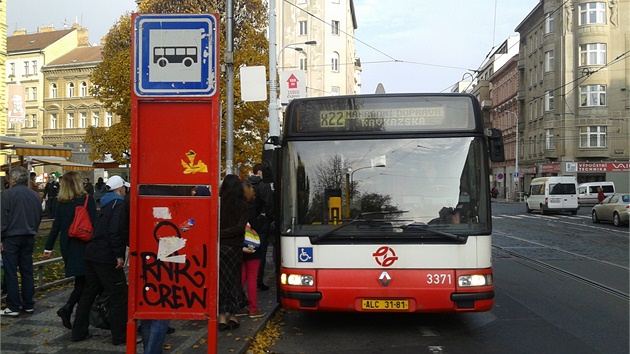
pixel 83 37
pixel 45 29
pixel 19 32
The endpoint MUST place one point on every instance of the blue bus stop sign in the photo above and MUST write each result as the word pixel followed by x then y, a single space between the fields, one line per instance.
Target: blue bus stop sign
pixel 175 55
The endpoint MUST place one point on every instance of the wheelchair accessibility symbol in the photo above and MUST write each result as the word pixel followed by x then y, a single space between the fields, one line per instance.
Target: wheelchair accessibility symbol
pixel 305 254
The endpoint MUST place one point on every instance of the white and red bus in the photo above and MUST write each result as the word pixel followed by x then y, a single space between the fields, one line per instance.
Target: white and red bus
pixel 383 204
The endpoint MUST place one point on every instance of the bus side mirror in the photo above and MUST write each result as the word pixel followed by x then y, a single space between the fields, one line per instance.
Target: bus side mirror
pixel 495 142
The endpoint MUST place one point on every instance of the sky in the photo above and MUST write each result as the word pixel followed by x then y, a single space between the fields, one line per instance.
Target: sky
pixel 407 45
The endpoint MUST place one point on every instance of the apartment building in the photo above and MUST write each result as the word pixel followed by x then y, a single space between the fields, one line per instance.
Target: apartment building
pixel 574 82
pixel 68 108
pixel 331 65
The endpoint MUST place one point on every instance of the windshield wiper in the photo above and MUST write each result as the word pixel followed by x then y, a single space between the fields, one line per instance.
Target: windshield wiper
pixel 424 228
pixel 367 217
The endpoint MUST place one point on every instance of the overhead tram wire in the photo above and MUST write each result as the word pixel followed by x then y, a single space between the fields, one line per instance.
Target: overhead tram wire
pixel 393 60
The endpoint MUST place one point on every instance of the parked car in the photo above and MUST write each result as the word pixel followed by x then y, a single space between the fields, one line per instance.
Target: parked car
pixel 587 192
pixel 615 208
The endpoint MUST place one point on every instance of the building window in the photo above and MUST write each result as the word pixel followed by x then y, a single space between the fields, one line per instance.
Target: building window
pixel 593 136
pixel 303 28
pixel 83 88
pixel 12 70
pixel 34 121
pixel 108 119
pixel 53 90
pixel 83 120
pixel 549 23
pixel 592 13
pixel 592 95
pixel 303 62
pixel 53 121
pixel 27 93
pixel 335 27
pixel 335 91
pixel 34 93
pixel 549 139
pixel 549 61
pixel 34 67
pixel 70 120
pixel 71 89
pixel 548 100
pixel 26 68
pixel 335 62
pixel 593 54
pixel 95 118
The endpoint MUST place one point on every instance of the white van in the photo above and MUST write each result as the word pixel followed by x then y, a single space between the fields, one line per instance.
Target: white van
pixel 587 192
pixel 553 194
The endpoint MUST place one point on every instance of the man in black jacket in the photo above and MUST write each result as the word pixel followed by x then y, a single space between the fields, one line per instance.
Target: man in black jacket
pixel 50 194
pixel 265 211
pixel 105 257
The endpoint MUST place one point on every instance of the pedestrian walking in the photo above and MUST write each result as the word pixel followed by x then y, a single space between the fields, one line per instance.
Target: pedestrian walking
pixel 50 195
pixel 21 215
pixel 71 195
pixel 104 260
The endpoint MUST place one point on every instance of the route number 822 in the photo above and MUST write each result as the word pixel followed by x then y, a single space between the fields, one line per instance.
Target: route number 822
pixel 332 119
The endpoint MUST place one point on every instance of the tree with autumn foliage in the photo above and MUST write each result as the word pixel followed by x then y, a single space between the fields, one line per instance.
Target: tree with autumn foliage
pixel 112 78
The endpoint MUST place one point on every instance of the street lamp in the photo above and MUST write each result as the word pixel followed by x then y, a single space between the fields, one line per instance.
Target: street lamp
pixel 516 174
pixel 274 127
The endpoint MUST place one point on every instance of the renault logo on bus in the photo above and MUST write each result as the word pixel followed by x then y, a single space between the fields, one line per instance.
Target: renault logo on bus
pixel 384 279
pixel 385 256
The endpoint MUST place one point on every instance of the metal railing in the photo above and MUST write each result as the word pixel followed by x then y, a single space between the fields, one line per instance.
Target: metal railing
pixel 38 274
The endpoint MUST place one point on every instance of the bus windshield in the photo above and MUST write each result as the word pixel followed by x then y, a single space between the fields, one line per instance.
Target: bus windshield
pixel 381 187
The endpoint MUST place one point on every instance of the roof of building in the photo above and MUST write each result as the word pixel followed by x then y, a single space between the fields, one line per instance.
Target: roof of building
pixel 78 56
pixel 34 41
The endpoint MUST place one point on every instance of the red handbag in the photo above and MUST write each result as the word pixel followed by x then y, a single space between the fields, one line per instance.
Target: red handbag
pixel 81 227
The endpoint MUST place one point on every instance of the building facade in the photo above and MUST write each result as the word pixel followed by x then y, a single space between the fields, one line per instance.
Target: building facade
pixel 331 65
pixel 574 64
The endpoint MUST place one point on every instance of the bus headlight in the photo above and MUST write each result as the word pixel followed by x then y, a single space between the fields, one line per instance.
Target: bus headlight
pixel 475 280
pixel 296 279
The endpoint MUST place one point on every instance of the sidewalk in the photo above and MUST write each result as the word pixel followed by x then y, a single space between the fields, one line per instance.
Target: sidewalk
pixel 42 332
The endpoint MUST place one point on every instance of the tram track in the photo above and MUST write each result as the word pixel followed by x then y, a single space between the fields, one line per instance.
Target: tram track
pixel 597 285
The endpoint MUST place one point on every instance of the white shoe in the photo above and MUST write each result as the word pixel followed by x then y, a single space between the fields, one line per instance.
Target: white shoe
pixel 8 312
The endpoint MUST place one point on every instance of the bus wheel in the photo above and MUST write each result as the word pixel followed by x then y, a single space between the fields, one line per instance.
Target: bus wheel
pixel 187 62
pixel 162 62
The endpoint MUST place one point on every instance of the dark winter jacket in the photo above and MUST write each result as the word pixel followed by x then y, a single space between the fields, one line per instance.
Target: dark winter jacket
pixel 21 211
pixel 72 249
pixel 107 244
pixel 264 197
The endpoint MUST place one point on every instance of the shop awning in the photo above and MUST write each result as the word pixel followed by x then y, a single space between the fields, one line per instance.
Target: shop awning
pixel 59 161
pixel 46 160
pixel 41 150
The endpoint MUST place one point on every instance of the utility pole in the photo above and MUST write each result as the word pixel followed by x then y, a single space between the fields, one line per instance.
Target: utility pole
pixel 229 90
pixel 274 124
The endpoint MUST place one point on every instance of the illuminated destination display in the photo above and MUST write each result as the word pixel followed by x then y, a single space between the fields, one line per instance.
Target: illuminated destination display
pixel 383 117
pixel 395 114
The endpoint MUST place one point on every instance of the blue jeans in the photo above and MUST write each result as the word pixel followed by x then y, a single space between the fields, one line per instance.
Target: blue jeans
pixel 153 335
pixel 18 254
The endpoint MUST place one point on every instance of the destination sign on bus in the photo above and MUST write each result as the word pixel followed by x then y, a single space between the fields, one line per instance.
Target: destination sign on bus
pixel 386 114
pixel 383 117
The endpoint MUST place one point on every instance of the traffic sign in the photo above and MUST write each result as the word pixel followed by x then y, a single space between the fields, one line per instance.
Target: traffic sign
pixel 516 174
pixel 175 55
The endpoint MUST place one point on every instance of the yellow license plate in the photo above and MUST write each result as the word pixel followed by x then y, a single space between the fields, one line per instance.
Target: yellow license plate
pixel 385 305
